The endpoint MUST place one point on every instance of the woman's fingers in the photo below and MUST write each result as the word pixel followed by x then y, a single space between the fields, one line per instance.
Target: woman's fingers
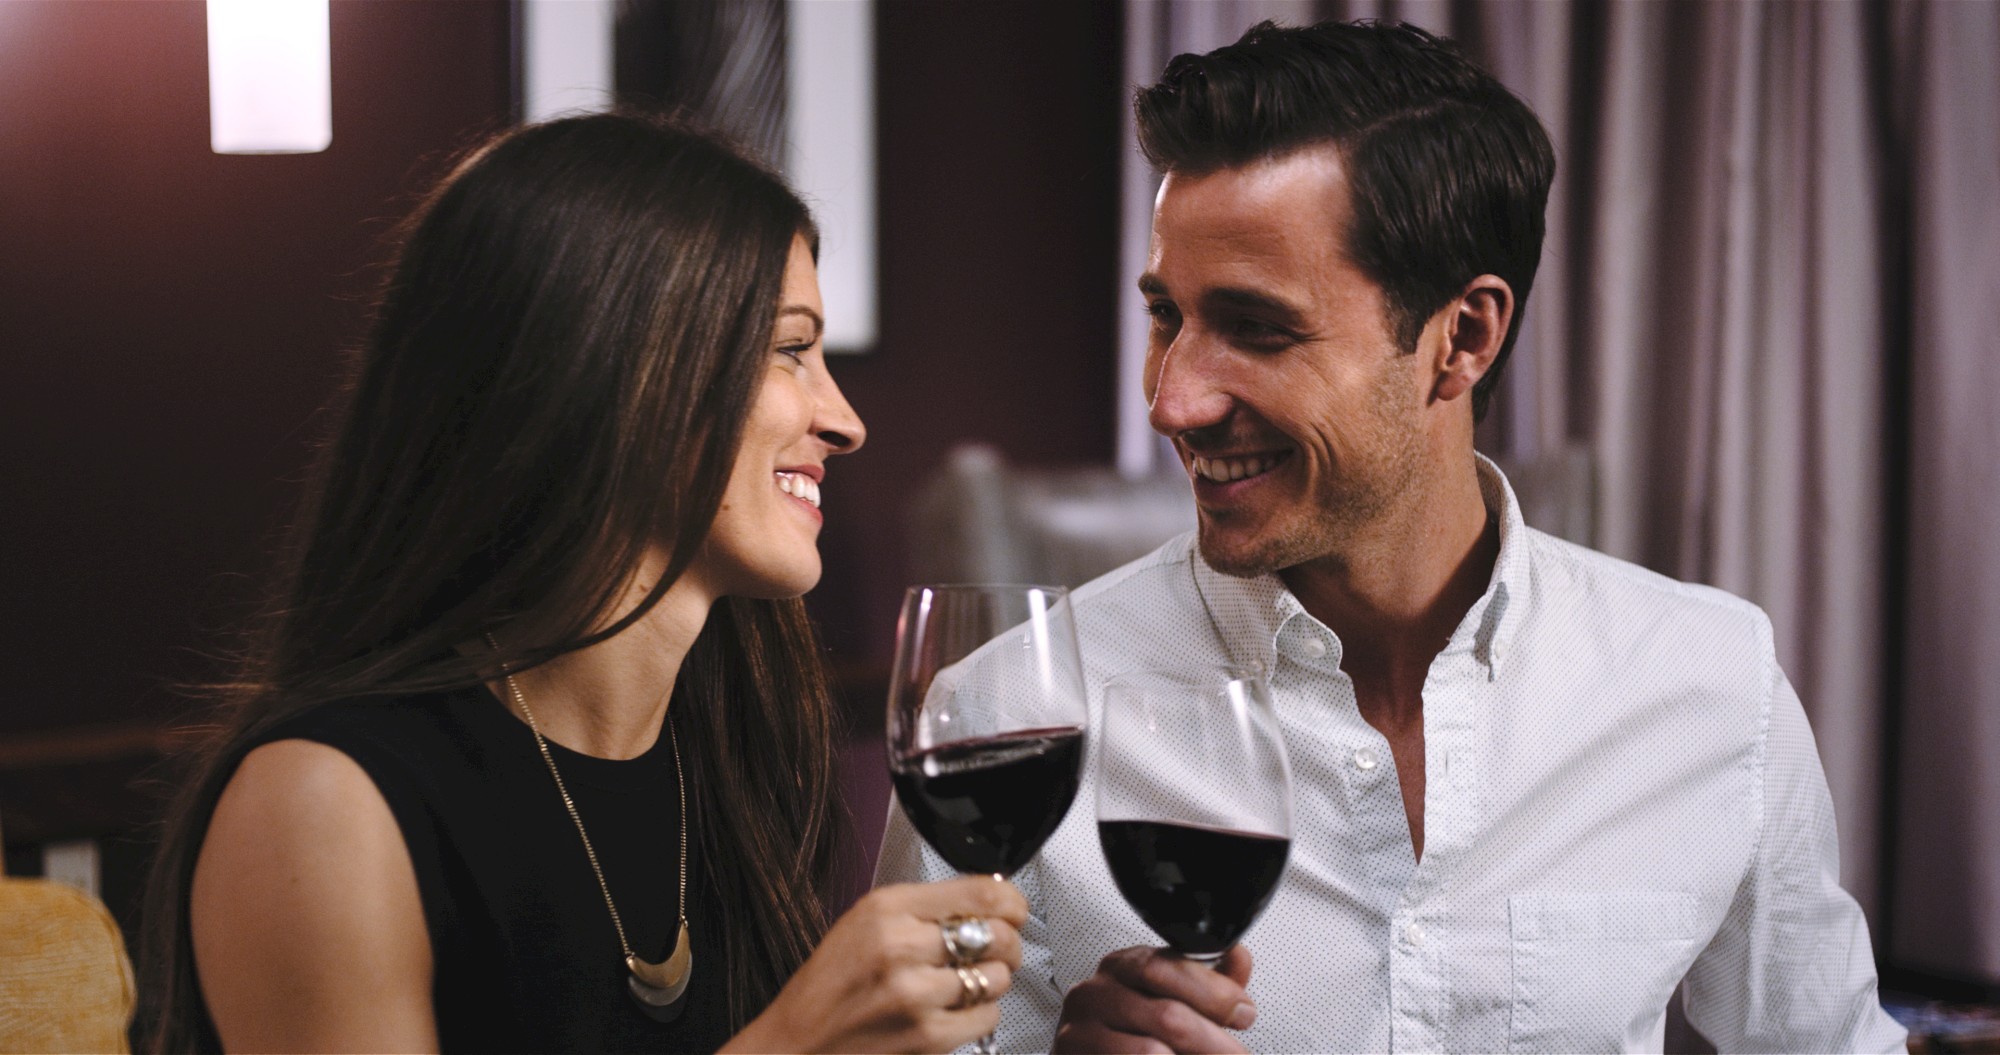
pixel 911 918
pixel 930 946
pixel 982 896
pixel 947 1009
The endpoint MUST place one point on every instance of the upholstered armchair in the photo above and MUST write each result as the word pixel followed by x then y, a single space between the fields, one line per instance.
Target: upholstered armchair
pixel 65 981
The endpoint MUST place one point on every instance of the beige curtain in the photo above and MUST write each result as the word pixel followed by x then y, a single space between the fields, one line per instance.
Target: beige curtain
pixel 1773 251
pixel 1946 897
pixel 1772 247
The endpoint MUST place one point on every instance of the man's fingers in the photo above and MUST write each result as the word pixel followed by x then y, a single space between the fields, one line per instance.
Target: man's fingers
pixel 1218 996
pixel 1094 1038
pixel 1106 1002
pixel 1236 964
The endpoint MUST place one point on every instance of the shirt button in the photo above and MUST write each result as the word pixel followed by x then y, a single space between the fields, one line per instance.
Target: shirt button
pixel 1364 759
pixel 1312 648
pixel 1414 935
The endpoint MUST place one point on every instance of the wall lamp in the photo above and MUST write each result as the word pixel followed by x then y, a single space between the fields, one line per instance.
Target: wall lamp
pixel 270 78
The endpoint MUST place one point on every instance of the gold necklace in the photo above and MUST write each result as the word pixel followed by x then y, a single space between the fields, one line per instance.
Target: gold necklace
pixel 657 987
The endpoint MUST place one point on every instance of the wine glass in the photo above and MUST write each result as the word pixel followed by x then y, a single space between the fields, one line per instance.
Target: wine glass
pixel 1194 802
pixel 986 720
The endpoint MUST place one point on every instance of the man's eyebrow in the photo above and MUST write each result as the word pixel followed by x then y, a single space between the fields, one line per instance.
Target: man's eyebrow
pixel 819 324
pixel 1237 297
pixel 1253 300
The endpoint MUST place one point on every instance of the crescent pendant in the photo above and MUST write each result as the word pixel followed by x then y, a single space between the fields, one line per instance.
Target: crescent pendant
pixel 659 987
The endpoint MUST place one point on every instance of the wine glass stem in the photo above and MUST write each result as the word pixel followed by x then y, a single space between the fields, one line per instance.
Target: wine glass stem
pixel 1210 960
pixel 984 1045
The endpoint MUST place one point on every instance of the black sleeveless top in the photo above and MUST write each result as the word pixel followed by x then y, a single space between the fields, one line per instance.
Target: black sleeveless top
pixel 524 953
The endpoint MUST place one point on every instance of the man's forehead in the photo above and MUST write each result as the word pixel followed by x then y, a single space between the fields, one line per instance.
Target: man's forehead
pixel 1250 223
pixel 1312 177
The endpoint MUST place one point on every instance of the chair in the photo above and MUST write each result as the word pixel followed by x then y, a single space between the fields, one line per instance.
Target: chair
pixel 981 520
pixel 65 981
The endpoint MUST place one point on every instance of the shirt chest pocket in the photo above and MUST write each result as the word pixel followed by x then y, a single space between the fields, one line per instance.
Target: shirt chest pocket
pixel 1593 971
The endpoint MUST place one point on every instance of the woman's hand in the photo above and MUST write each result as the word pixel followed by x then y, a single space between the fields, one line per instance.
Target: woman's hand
pixel 882 980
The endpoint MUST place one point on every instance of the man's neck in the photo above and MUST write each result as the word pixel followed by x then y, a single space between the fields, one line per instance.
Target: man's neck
pixel 1400 587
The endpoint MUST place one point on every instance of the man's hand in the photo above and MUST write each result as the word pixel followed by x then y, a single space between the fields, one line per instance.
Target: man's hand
pixel 1150 1000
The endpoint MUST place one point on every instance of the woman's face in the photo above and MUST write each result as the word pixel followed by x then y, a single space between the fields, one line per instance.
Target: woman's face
pixel 765 540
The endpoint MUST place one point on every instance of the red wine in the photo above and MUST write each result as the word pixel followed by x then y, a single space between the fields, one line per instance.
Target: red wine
pixel 987 805
pixel 1199 888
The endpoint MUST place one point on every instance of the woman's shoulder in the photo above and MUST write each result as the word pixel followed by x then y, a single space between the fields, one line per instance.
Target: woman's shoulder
pixel 425 755
pixel 391 718
pixel 303 874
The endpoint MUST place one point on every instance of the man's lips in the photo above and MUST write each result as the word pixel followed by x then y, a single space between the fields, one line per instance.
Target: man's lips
pixel 1223 469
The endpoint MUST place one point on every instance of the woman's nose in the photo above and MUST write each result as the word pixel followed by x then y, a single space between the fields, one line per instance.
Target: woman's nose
pixel 836 423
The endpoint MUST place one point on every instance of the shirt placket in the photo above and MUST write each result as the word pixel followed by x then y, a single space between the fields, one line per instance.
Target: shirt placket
pixel 1419 959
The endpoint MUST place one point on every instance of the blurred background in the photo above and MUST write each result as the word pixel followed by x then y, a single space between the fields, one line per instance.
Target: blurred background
pixel 1755 355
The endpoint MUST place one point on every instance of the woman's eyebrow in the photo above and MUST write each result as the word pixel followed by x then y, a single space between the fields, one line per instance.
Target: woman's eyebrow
pixel 819 324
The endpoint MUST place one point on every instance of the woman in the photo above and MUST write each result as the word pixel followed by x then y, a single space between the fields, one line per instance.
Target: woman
pixel 534 752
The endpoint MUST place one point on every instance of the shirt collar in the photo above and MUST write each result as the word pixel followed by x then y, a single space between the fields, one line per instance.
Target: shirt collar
pixel 1248 614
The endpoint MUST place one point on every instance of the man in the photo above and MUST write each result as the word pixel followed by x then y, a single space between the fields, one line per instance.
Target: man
pixel 1535 787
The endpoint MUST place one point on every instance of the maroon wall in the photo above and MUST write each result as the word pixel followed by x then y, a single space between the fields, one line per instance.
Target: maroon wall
pixel 998 130
pixel 170 318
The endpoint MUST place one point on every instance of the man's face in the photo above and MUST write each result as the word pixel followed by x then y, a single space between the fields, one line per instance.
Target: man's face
pixel 1271 364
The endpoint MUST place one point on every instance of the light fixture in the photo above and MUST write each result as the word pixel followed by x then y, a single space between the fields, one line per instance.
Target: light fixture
pixel 270 87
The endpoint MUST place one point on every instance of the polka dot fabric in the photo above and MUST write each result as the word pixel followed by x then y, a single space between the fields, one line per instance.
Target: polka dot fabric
pixel 1622 792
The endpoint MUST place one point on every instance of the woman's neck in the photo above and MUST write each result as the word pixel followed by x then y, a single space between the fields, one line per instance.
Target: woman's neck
pixel 610 700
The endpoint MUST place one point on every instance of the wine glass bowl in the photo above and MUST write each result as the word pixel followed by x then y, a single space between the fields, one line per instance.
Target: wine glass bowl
pixel 1194 803
pixel 986 719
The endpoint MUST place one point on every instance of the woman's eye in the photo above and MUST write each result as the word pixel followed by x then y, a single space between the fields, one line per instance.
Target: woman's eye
pixel 795 352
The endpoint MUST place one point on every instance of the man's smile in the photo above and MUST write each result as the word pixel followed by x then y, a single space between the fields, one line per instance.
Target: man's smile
pixel 1228 469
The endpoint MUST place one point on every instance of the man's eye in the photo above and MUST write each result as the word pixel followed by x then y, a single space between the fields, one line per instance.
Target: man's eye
pixel 1163 313
pixel 1254 331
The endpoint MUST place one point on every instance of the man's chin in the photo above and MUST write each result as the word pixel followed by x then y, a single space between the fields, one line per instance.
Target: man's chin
pixel 1236 554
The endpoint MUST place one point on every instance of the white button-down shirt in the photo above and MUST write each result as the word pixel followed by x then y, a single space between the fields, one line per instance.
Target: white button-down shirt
pixel 1622 792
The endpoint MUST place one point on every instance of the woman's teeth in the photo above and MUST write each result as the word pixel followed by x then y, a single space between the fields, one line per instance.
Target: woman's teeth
pixel 800 486
pixel 1223 470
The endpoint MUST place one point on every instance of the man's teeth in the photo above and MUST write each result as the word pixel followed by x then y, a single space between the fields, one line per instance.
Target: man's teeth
pixel 799 485
pixel 1223 470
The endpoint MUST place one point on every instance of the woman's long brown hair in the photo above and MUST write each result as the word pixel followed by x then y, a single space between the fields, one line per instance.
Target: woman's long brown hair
pixel 561 364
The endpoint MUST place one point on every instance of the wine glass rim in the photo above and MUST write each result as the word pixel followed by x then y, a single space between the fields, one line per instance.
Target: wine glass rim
pixel 962 587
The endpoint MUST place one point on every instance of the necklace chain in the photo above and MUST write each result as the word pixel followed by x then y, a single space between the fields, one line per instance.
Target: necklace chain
pixel 589 851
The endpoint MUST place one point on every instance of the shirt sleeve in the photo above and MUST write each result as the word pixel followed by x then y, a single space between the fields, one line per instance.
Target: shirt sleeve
pixel 1030 1009
pixel 1791 968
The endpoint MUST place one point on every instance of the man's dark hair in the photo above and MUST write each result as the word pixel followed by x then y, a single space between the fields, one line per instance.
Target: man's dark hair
pixel 1448 170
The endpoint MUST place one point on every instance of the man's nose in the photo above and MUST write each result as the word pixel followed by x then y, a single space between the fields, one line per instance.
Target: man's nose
pixel 1186 389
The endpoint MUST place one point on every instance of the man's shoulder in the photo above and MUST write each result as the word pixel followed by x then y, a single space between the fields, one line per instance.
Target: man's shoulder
pixel 1618 596
pixel 1137 582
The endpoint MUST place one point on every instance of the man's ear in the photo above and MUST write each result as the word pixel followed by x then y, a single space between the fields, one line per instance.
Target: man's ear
pixel 1474 326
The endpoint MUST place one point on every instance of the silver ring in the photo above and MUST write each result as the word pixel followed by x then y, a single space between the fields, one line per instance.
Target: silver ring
pixel 973 988
pixel 966 939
